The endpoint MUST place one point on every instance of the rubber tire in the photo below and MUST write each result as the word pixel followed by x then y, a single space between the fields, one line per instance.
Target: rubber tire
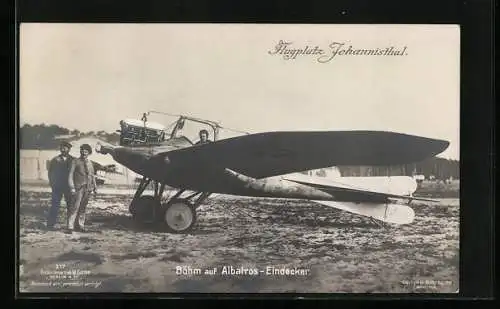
pixel 163 210
pixel 137 210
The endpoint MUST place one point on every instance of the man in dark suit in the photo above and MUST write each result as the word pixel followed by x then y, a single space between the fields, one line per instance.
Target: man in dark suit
pixel 81 183
pixel 58 171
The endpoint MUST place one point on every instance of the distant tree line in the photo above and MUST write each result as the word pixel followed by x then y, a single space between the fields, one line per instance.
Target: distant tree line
pixel 439 167
pixel 436 167
pixel 42 136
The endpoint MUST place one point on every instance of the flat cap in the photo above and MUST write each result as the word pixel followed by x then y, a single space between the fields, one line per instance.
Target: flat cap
pixel 66 144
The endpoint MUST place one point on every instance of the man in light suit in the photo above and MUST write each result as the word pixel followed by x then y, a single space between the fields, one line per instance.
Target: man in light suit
pixel 81 183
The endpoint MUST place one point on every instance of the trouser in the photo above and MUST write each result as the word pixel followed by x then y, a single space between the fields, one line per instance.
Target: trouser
pixel 57 194
pixel 76 213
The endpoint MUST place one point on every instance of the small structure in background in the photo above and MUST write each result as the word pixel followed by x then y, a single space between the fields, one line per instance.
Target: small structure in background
pixel 34 164
pixel 419 178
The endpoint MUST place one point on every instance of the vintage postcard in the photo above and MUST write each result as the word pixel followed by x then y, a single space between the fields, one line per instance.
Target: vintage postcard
pixel 239 158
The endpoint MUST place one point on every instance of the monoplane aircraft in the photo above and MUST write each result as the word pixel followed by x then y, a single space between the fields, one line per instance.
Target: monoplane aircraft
pixel 259 165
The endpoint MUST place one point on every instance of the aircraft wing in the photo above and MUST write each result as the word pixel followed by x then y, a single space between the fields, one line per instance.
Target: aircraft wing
pixel 269 154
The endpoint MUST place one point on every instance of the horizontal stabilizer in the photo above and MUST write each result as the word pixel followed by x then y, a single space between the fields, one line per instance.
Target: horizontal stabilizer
pixel 393 185
pixel 348 185
pixel 389 213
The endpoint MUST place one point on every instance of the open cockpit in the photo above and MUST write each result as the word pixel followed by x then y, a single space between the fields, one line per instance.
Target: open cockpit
pixel 183 132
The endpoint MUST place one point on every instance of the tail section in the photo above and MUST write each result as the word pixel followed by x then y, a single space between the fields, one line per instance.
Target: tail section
pixel 389 213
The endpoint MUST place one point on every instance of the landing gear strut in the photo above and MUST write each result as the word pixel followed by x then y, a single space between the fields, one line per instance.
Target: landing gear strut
pixel 175 214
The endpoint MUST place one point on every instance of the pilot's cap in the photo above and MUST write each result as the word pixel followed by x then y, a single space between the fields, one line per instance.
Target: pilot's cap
pixel 65 144
pixel 86 147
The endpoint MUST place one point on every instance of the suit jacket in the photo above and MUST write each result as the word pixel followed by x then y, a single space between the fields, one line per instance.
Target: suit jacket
pixel 58 171
pixel 81 175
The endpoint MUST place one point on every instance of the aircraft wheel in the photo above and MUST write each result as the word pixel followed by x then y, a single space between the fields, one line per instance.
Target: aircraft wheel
pixel 177 216
pixel 142 208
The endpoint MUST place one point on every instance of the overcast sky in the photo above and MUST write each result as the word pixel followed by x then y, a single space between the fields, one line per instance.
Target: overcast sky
pixel 90 76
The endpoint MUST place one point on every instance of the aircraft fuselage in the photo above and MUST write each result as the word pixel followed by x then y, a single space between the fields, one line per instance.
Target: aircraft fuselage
pixel 214 179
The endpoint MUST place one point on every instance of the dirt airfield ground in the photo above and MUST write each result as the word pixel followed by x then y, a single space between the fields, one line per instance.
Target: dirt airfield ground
pixel 339 252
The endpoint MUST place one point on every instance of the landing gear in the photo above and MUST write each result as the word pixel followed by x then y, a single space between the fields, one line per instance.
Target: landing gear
pixel 175 214
pixel 178 215
pixel 143 208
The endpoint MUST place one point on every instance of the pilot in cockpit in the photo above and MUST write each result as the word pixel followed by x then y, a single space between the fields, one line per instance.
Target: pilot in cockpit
pixel 203 137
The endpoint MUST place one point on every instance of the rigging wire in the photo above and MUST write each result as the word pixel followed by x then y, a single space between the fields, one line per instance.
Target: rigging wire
pixel 234 130
pixel 209 121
